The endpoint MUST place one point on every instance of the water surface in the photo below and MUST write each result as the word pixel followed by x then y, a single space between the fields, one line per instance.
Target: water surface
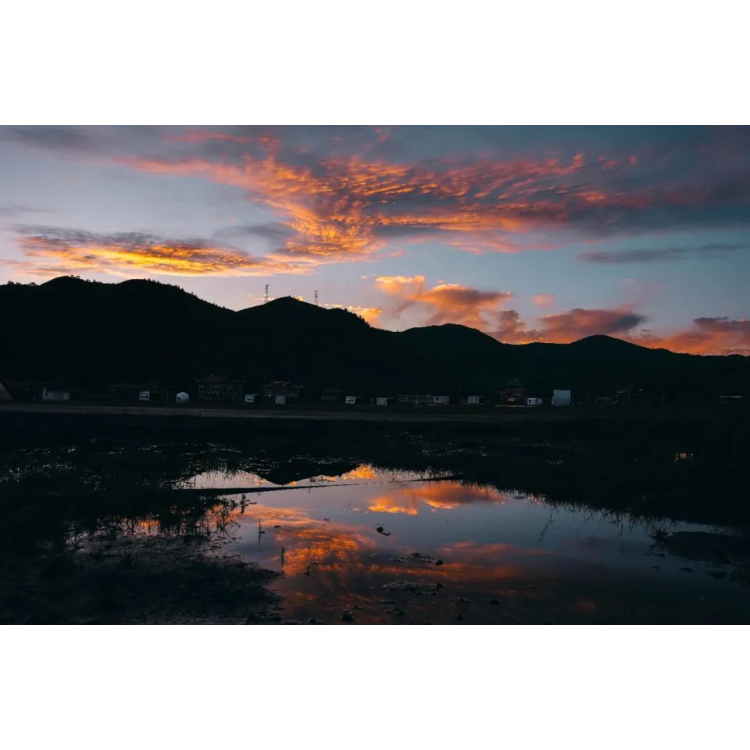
pixel 377 546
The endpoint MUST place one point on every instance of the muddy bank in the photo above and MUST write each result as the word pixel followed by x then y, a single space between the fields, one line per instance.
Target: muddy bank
pixel 137 579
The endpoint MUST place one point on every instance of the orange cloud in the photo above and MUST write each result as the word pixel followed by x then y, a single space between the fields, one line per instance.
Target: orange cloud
pixel 705 336
pixel 70 251
pixel 544 300
pixel 456 303
pixel 443 303
pixel 349 207
pixel 564 327
pixel 581 322
pixel 370 314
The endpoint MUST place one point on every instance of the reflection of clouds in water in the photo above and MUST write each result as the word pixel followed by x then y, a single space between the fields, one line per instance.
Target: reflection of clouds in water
pixel 335 559
pixel 328 546
pixel 436 496
pixel 363 471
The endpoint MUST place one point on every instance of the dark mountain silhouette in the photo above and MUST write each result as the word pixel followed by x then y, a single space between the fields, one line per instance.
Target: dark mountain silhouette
pixel 93 334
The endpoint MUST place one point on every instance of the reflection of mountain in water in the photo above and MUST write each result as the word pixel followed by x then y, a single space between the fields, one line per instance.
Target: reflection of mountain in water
pixel 299 469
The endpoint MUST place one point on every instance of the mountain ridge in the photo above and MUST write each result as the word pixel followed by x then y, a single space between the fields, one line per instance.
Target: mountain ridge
pixel 97 333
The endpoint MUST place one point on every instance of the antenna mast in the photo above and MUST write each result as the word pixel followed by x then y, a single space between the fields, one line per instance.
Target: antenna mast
pixel 316 296
pixel 265 296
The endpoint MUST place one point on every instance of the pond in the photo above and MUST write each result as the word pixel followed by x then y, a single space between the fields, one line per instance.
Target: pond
pixel 376 546
pixel 316 525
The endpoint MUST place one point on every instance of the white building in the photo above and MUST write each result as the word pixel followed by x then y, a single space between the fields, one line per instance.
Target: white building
pixel 250 398
pixel 475 400
pixel 418 398
pixel 352 400
pixel 55 393
pixel 441 399
pixel 280 400
pixel 561 398
pixel 383 400
pixel 144 395
pixel 533 402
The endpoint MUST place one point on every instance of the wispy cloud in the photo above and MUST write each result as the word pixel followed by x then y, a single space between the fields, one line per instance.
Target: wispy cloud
pixel 347 193
pixel 14 210
pixel 623 257
pixel 54 250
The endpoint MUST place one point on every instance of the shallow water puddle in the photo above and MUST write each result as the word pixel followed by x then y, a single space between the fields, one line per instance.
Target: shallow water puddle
pixel 370 546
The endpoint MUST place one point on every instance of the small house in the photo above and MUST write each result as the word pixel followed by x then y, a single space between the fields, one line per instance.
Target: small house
pixel 152 390
pixel 561 398
pixel 284 388
pixel 4 395
pixel 514 396
pixel 475 400
pixel 415 399
pixel 383 400
pixel 352 400
pixel 55 392
pixel 219 389
pixel 533 401
pixel 440 400
pixel 331 395
pixel 250 398
pixel 279 400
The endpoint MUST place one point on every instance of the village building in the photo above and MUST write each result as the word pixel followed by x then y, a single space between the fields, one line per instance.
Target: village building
pixel 514 396
pixel 219 389
pixel 149 391
pixel 561 398
pixel 282 392
pixel 250 398
pixel 416 399
pixel 475 400
pixel 440 400
pixel 533 401
pixel 352 400
pixel 383 400
pixel 331 395
pixel 54 392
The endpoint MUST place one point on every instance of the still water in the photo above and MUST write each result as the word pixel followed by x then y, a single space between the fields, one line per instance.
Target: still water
pixel 375 547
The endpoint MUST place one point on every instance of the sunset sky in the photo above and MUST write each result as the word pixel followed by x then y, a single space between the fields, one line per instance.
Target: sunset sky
pixel 527 233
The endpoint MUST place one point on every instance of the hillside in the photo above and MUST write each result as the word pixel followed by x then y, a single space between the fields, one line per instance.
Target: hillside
pixel 93 334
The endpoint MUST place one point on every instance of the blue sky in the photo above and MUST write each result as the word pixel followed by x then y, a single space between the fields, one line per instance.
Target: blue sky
pixel 528 233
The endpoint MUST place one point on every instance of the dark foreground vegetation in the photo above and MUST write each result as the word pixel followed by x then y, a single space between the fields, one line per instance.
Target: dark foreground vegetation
pixel 96 525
